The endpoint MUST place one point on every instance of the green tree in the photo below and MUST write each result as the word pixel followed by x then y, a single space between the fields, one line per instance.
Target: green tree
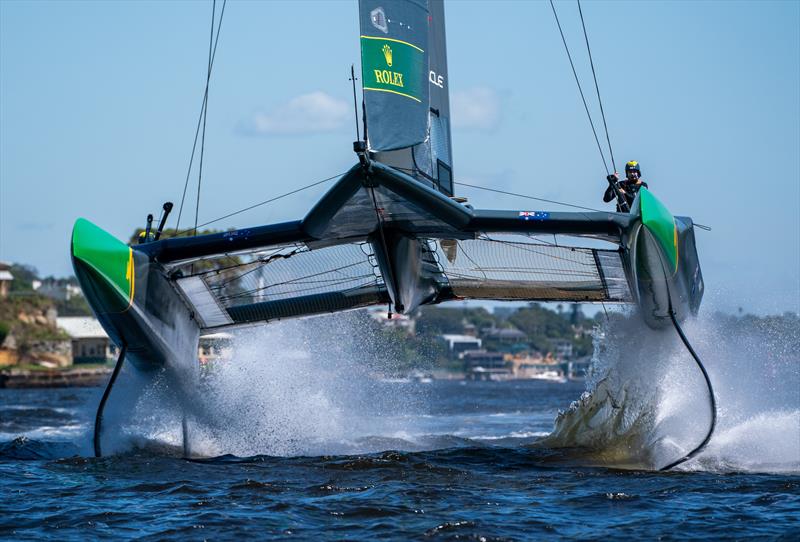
pixel 24 275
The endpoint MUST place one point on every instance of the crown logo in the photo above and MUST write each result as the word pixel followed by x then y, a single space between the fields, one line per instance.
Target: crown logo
pixel 387 54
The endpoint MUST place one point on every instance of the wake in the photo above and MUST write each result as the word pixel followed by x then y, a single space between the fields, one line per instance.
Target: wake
pixel 647 405
pixel 309 388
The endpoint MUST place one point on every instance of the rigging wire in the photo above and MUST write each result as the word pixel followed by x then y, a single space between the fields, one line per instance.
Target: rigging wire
pixel 270 200
pixel 596 87
pixel 410 170
pixel 200 118
pixel 529 197
pixel 580 89
pixel 205 116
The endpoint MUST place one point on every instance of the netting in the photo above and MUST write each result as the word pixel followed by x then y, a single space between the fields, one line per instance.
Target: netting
pixel 284 281
pixel 297 279
pixel 512 267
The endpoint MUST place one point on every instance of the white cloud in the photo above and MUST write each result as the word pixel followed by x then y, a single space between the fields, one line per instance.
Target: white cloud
pixel 476 108
pixel 310 113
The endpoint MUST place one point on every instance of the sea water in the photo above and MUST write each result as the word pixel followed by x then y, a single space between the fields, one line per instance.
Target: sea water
pixel 298 436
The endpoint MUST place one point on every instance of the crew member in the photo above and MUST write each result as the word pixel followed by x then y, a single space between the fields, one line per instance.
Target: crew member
pixel 627 188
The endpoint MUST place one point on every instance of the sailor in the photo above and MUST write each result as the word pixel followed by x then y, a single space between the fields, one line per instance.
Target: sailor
pixel 627 188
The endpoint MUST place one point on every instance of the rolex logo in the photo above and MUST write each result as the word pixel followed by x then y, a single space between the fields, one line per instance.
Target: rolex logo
pixel 387 54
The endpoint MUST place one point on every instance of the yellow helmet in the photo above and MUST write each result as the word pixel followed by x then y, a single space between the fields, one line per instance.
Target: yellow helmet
pixel 633 165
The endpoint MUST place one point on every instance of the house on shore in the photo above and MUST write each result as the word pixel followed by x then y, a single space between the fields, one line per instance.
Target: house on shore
pixel 60 289
pixel 215 347
pixel 5 279
pixel 90 344
pixel 456 344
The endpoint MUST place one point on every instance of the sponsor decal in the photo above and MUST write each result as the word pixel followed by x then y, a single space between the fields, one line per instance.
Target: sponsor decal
pixel 394 66
pixel 378 19
pixel 437 80
pixel 534 215
pixel 387 54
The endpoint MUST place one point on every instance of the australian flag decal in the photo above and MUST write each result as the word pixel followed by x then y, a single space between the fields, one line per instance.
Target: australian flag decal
pixel 534 215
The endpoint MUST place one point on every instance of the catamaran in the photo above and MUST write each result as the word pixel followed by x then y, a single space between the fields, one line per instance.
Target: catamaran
pixel 390 232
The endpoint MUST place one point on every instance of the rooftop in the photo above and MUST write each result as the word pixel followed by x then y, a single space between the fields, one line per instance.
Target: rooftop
pixel 460 338
pixel 81 327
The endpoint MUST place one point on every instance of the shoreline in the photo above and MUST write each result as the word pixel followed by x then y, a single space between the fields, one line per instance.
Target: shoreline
pixel 79 377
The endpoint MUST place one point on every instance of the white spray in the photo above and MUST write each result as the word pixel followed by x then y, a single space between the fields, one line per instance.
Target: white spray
pixel 302 387
pixel 647 404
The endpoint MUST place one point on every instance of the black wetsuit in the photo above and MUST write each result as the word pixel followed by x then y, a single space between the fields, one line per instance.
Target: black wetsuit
pixel 629 190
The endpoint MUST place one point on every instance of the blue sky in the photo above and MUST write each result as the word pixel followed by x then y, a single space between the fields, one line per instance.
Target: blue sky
pixel 98 104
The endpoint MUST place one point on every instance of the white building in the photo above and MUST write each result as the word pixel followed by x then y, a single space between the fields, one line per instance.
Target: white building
pixel 5 282
pixel 461 343
pixel 57 289
pixel 90 344
pixel 215 347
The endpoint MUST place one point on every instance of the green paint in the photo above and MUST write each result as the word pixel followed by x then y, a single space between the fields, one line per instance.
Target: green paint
pixel 106 255
pixel 393 66
pixel 661 223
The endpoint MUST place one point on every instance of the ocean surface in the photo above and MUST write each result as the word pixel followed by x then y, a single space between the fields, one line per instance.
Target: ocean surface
pixel 280 449
pixel 467 472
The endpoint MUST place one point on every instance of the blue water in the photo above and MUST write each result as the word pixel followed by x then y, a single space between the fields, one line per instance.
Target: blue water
pixel 458 461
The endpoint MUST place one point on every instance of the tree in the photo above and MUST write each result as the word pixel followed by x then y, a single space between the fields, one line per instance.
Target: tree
pixel 24 275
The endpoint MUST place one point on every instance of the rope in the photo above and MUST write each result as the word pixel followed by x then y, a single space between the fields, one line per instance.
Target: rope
pixel 580 89
pixel 276 198
pixel 596 87
pixel 200 118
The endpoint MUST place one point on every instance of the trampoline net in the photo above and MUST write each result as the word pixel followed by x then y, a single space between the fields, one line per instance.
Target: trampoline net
pixel 283 281
pixel 515 267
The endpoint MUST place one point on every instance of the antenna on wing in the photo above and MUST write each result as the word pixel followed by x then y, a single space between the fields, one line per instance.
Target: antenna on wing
pixel 353 78
pixel 359 145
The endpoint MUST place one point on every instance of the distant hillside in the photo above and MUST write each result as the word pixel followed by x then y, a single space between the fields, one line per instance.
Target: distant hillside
pixel 28 316
pixel 51 288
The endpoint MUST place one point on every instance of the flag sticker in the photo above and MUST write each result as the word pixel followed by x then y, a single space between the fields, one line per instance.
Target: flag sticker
pixel 534 215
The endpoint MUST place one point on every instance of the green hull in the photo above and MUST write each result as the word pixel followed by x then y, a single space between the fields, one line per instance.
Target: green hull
pixel 134 302
pixel 665 271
